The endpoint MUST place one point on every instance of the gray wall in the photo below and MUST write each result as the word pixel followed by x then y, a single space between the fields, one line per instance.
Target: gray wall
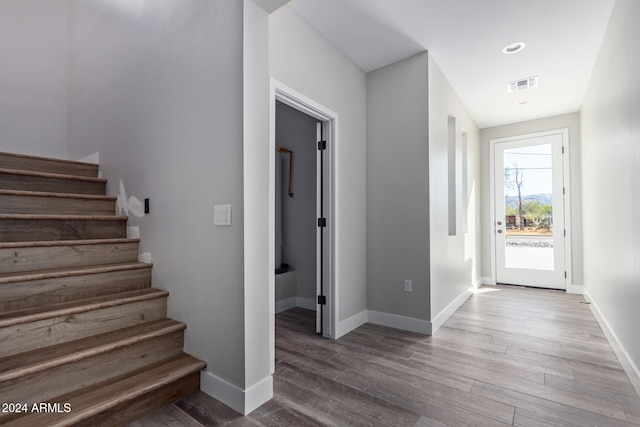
pixel 34 77
pixel 610 177
pixel 296 131
pixel 398 188
pixel 409 104
pixel 157 90
pixel 570 121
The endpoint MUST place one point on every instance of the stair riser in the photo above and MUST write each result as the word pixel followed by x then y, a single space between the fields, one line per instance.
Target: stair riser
pixel 46 385
pixel 15 260
pixel 31 230
pixel 15 296
pixel 22 204
pixel 10 181
pixel 42 333
pixel 9 161
pixel 131 410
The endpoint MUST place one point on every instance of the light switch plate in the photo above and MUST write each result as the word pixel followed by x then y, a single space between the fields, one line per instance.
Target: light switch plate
pixel 222 215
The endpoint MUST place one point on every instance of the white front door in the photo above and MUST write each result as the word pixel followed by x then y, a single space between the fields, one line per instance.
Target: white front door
pixel 529 225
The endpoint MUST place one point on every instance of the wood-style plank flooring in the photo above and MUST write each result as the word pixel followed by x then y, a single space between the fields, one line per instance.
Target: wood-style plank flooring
pixel 508 356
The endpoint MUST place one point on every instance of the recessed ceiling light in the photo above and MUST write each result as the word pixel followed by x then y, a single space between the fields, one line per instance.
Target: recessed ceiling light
pixel 523 102
pixel 513 48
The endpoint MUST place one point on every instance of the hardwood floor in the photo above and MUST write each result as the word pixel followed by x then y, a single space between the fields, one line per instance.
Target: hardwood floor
pixel 508 356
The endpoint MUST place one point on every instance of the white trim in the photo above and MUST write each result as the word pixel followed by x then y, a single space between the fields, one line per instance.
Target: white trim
pixel 575 289
pixel 567 197
pixel 307 303
pixel 133 232
pixel 306 105
pixel 449 310
pixel 286 304
pixel 489 281
pixel 492 215
pixel 258 394
pixel 91 158
pixel 352 323
pixel 293 302
pixel 242 401
pixel 400 322
pixel 630 368
pixel 566 179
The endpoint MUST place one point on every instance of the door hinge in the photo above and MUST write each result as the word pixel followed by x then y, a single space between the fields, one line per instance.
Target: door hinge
pixel 322 145
pixel 565 274
pixel 322 300
pixel 322 222
pixel 563 191
pixel 565 233
pixel 563 149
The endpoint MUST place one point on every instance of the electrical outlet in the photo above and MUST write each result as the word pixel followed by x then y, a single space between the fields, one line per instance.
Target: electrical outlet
pixel 407 285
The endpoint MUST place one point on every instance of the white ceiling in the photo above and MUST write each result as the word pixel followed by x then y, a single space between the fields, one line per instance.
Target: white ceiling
pixel 465 38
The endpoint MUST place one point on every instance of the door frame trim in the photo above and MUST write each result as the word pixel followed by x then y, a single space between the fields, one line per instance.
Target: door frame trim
pixel 281 92
pixel 566 174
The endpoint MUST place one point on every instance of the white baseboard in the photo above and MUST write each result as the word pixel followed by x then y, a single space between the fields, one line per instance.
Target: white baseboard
pixel 241 401
pixel 133 232
pixel 308 303
pixel 285 304
pixel 400 322
pixel 293 302
pixel 575 289
pixel 258 394
pixel 487 281
pixel 629 367
pixel 353 322
pixel 449 310
pixel 91 158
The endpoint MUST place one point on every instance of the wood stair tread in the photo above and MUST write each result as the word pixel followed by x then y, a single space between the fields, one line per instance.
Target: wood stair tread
pixel 52 175
pixel 80 323
pixel 45 358
pixel 56 195
pixel 64 217
pixel 53 160
pixel 93 400
pixel 70 271
pixel 31 314
pixel 51 243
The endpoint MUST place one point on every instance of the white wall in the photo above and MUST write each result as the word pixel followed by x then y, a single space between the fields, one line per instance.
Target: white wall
pixel 570 121
pixel 304 61
pixel 398 188
pixel 296 131
pixel 257 180
pixel 34 77
pixel 455 259
pixel 157 89
pixel 610 161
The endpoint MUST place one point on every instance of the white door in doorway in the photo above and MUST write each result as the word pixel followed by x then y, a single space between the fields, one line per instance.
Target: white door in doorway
pixel 529 210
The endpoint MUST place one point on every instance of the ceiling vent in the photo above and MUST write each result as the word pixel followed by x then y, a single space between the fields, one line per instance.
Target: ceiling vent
pixel 518 85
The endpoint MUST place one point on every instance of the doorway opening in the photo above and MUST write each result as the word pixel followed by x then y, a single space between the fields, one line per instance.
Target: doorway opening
pixel 531 241
pixel 303 146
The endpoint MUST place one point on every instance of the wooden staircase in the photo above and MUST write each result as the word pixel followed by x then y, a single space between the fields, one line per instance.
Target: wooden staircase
pixel 83 335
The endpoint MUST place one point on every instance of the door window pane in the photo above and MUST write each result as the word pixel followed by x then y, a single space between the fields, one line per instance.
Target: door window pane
pixel 528 207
